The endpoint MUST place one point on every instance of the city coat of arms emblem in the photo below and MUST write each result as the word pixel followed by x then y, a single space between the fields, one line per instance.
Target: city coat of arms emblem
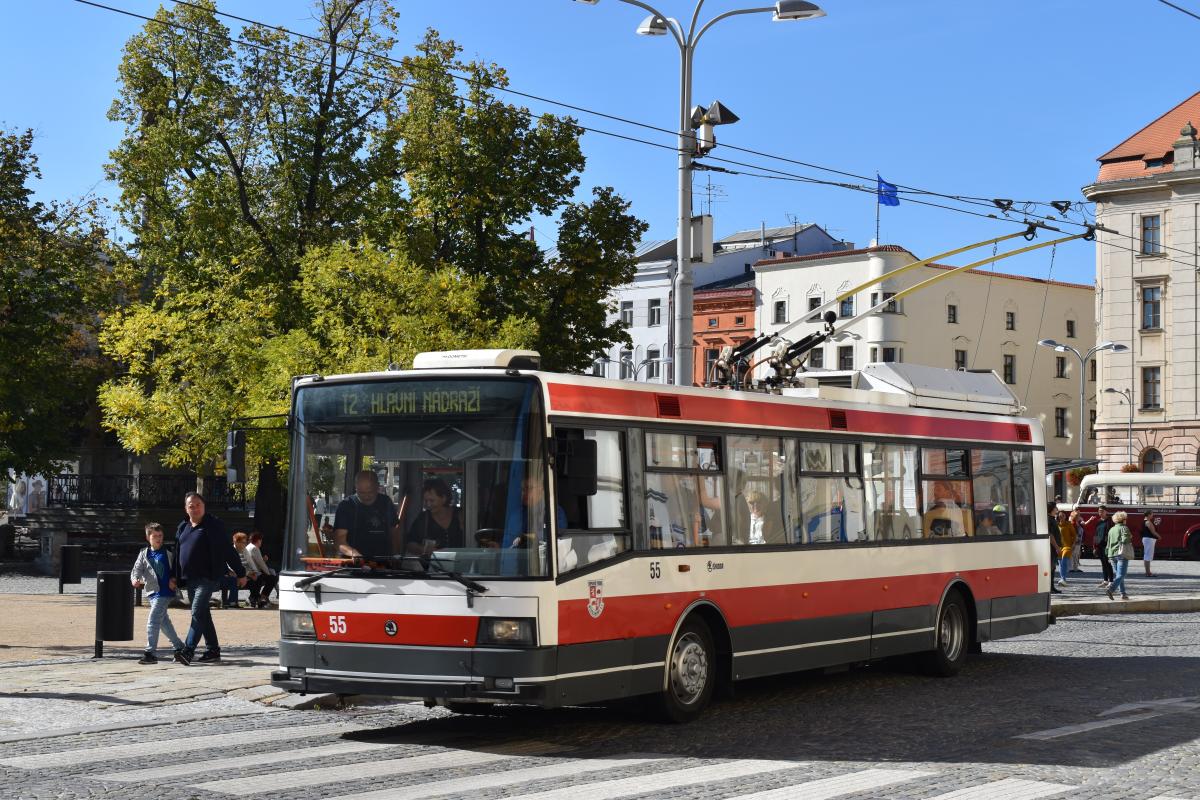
pixel 595 603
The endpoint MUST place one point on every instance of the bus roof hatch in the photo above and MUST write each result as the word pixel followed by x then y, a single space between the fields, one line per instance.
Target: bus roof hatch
pixel 479 359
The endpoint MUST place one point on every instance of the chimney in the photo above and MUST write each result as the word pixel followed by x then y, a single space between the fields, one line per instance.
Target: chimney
pixel 1185 149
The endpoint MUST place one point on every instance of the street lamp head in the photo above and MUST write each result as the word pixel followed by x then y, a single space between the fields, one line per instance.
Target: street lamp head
pixel 796 9
pixel 652 26
pixel 588 2
pixel 1119 348
pixel 1048 343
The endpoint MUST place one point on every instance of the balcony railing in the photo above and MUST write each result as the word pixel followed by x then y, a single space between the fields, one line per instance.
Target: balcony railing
pixel 139 491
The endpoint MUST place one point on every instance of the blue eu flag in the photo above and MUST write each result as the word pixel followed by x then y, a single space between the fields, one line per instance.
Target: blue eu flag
pixel 886 192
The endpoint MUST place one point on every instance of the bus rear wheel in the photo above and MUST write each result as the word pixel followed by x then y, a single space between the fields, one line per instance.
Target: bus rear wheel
pixel 951 639
pixel 691 672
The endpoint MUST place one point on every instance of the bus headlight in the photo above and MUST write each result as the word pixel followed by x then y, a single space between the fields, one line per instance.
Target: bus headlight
pixel 297 625
pixel 508 632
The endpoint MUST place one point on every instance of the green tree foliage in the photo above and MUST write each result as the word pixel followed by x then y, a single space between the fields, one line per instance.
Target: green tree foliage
pixel 52 280
pixel 308 205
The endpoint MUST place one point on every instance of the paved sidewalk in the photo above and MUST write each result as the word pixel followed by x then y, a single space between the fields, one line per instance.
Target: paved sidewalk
pixel 1173 587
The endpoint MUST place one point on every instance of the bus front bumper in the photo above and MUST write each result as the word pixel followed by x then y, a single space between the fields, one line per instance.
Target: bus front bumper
pixel 501 675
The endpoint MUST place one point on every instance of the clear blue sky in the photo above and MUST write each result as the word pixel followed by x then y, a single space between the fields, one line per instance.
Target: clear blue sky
pixel 996 99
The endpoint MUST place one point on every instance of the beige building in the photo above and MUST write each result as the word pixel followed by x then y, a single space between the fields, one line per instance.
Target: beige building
pixel 1148 191
pixel 972 320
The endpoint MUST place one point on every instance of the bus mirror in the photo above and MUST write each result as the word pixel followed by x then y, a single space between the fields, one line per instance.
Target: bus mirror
pixel 577 466
pixel 235 457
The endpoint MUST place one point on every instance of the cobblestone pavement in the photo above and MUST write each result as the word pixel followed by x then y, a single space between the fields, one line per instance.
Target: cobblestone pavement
pixel 1169 577
pixel 1096 707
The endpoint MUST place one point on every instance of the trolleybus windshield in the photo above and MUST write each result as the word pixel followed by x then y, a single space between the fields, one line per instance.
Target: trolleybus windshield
pixel 444 475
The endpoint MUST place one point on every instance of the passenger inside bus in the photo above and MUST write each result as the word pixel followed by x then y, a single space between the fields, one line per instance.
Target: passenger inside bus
pixel 438 525
pixel 763 523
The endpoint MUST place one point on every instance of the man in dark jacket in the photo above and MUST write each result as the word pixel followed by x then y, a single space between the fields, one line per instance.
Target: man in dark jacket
pixel 205 554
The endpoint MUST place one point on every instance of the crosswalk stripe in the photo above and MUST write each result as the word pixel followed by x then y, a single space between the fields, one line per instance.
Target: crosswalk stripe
pixel 673 778
pixel 1006 789
pixel 258 759
pixel 475 783
pixel 169 744
pixel 826 788
pixel 339 773
pixel 1085 727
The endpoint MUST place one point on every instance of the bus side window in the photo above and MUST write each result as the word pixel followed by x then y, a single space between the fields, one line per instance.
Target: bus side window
pixel 597 525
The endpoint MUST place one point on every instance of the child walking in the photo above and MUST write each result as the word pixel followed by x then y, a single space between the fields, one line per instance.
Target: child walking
pixel 154 569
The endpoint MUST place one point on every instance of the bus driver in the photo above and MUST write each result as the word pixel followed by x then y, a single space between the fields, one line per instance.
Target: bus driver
pixel 366 522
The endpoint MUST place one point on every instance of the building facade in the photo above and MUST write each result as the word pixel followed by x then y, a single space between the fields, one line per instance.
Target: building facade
pixel 972 320
pixel 724 316
pixel 1148 192
pixel 644 305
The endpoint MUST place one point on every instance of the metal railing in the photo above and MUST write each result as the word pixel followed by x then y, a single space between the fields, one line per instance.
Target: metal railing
pixel 139 491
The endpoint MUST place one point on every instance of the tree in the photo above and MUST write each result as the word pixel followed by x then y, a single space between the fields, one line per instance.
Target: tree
pixel 53 280
pixel 309 205
pixel 475 170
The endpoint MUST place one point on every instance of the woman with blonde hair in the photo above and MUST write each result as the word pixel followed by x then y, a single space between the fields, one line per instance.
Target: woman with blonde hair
pixel 1077 521
pixel 1120 553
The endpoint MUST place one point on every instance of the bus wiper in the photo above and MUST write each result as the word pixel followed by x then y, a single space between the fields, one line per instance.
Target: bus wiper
pixel 334 573
pixel 473 587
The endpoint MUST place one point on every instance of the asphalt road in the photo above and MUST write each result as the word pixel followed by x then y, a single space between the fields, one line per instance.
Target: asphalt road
pixel 1096 707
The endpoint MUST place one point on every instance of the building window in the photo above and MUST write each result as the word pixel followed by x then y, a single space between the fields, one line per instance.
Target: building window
pixel 816 358
pixel 889 355
pixel 1010 370
pixel 846 357
pixel 960 359
pixel 1092 423
pixel 1070 329
pixel 712 322
pixel 813 304
pixel 891 308
pixel 654 313
pixel 952 314
pixel 711 354
pixel 627 313
pixel 598 368
pixel 846 308
pixel 1152 461
pixel 780 312
pixel 1151 307
pixel 1060 366
pixel 739 321
pixel 1151 387
pixel 1151 235
pixel 626 364
pixel 1092 368
pixel 1060 423
pixel 1010 320
pixel 874 355
pixel 652 364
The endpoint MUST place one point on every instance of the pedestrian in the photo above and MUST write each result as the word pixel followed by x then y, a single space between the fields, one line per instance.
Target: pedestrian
pixel 1149 541
pixel 1077 521
pixel 267 579
pixel 154 569
pixel 1055 545
pixel 204 555
pixel 1120 553
pixel 1100 544
pixel 1066 537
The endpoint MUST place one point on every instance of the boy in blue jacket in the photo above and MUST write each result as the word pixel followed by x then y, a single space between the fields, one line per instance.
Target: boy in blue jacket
pixel 155 570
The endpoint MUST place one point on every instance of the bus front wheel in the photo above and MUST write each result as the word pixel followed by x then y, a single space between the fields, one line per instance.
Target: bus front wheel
pixel 952 636
pixel 691 672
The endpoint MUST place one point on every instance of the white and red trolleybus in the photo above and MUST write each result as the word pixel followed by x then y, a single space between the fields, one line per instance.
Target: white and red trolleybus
pixel 1172 500
pixel 560 539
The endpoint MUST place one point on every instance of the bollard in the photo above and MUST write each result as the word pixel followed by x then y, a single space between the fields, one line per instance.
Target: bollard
pixel 114 609
pixel 70 565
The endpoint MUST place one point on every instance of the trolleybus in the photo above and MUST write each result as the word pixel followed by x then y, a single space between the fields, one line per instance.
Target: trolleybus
pixel 1174 501
pixel 550 539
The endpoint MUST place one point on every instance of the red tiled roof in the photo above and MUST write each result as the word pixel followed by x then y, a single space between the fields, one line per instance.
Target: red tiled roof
pixel 1128 159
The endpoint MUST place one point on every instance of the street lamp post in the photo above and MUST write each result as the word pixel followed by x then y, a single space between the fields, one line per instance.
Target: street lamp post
pixel 1083 359
pixel 665 360
pixel 1128 395
pixel 659 24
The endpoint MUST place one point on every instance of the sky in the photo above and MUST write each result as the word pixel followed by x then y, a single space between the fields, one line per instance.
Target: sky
pixel 1011 99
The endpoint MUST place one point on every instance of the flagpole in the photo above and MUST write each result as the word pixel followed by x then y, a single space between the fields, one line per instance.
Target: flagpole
pixel 877 204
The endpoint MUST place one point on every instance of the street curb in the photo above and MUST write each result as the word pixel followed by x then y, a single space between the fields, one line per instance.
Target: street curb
pixel 304 702
pixel 1141 605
